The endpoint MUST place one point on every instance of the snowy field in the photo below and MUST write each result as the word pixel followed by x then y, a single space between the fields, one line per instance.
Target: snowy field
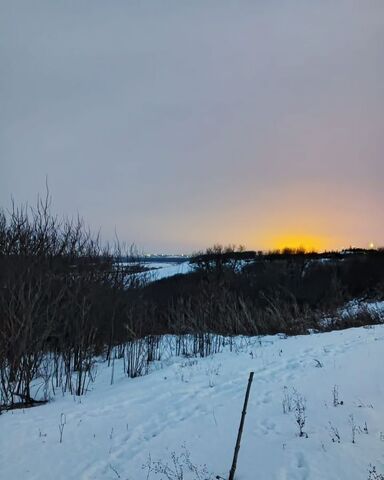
pixel 194 405
pixel 163 270
pixel 159 270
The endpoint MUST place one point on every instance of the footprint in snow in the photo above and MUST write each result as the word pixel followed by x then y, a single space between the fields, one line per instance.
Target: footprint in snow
pixel 302 466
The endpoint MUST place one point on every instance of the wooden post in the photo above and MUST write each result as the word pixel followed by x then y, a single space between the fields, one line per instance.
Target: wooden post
pixel 240 432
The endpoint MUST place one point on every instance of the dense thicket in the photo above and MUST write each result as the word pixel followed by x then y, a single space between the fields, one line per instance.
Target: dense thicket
pixel 61 294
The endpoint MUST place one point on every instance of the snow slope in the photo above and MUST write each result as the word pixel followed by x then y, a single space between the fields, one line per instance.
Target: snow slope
pixel 159 270
pixel 164 270
pixel 110 432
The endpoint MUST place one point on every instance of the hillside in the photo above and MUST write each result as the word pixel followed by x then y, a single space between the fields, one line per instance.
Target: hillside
pixel 194 404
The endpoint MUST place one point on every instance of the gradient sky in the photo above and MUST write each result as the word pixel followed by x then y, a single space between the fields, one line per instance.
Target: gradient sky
pixel 188 122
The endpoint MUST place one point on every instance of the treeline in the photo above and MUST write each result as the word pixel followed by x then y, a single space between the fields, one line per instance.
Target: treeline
pixel 311 277
pixel 231 291
pixel 66 299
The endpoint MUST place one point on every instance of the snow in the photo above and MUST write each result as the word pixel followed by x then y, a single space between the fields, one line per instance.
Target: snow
pixel 197 402
pixel 159 270
pixel 164 270
pixel 355 307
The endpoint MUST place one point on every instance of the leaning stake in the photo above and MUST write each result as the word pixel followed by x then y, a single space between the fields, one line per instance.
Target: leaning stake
pixel 240 432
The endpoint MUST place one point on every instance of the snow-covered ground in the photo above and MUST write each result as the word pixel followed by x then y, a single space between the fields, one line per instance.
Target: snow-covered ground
pixel 162 270
pixel 111 432
pixel 354 308
pixel 159 270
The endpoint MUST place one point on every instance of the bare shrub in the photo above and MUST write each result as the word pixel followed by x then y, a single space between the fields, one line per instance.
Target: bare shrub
pixel 136 358
pixel 287 401
pixel 334 432
pixel 354 429
pixel 335 397
pixel 63 422
pixel 300 413
pixel 180 467
pixel 59 291
pixel 373 474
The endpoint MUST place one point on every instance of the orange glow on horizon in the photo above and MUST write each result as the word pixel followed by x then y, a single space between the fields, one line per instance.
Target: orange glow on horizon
pixel 298 241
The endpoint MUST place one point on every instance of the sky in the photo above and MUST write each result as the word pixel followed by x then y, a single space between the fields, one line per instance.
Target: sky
pixel 179 124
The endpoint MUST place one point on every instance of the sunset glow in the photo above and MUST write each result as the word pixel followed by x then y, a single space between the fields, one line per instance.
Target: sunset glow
pixel 298 241
pixel 262 125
